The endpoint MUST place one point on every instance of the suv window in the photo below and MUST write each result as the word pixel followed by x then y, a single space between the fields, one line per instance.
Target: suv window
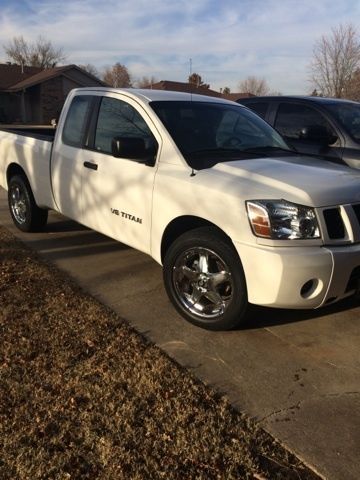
pixel 258 107
pixel 348 114
pixel 75 123
pixel 292 117
pixel 119 119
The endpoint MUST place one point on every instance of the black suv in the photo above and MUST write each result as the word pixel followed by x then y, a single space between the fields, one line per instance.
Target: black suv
pixel 325 127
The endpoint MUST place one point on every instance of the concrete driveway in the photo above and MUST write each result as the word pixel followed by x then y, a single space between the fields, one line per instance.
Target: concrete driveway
pixel 296 373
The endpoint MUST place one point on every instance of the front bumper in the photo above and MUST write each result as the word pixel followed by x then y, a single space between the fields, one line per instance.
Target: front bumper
pixel 299 277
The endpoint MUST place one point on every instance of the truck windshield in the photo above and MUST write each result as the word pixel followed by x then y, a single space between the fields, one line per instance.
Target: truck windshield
pixel 208 133
pixel 348 114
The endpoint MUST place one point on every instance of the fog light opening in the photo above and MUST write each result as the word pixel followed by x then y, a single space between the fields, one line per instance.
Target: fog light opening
pixel 311 288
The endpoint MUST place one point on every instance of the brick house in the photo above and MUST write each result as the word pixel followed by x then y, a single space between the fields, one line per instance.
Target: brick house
pixel 33 95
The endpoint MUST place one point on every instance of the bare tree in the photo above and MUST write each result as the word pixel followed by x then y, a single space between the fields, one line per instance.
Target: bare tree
pixel 146 82
pixel 40 54
pixel 336 58
pixel 117 76
pixel 90 69
pixel 254 85
pixel 195 79
pixel 352 90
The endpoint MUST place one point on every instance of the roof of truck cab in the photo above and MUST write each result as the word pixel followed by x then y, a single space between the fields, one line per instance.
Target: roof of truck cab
pixel 148 95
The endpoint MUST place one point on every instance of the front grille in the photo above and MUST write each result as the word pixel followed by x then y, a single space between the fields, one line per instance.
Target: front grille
pixel 354 280
pixel 334 223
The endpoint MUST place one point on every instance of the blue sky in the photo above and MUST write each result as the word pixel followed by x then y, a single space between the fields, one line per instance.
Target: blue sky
pixel 227 40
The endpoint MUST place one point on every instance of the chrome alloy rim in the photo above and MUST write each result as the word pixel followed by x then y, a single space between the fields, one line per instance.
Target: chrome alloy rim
pixel 203 282
pixel 18 204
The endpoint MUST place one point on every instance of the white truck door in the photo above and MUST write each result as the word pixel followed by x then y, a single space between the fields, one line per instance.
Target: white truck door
pixel 117 192
pixel 68 158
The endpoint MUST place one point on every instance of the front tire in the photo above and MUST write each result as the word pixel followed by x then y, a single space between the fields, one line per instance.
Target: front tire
pixel 204 280
pixel 26 215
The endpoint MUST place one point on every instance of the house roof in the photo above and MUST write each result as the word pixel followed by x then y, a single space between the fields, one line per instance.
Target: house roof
pixel 34 76
pixel 236 96
pixel 191 88
pixel 14 78
pixel 11 74
pixel 184 87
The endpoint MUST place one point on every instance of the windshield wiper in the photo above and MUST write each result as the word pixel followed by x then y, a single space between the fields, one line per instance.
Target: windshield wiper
pixel 222 151
pixel 208 157
pixel 204 151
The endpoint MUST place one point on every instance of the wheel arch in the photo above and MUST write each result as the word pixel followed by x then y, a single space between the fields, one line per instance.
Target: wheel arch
pixel 184 224
pixel 15 169
pixel 212 295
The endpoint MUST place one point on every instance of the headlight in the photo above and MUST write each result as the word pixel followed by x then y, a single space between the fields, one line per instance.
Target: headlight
pixel 281 220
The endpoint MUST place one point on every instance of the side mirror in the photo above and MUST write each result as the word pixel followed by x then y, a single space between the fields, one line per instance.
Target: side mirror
pixel 133 148
pixel 318 134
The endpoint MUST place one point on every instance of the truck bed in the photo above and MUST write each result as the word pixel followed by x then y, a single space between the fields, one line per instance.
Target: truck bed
pixel 29 148
pixel 46 134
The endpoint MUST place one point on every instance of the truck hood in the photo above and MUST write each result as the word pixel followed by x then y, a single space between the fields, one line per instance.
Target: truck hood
pixel 299 179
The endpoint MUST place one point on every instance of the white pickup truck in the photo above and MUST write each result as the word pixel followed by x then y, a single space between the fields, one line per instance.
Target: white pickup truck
pixel 205 187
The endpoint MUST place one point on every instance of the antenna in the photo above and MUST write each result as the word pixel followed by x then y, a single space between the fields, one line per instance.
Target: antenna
pixel 190 73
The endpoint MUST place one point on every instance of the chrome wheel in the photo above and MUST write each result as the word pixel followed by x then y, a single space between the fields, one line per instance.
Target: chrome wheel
pixel 18 204
pixel 203 282
pixel 26 215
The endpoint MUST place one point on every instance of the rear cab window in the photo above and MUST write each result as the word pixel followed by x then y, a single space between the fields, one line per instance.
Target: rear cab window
pixel 76 121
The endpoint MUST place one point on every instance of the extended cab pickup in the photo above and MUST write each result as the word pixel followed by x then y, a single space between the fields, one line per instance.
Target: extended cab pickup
pixel 205 187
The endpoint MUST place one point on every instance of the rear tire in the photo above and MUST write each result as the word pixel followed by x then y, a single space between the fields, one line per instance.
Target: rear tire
pixel 205 281
pixel 26 215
